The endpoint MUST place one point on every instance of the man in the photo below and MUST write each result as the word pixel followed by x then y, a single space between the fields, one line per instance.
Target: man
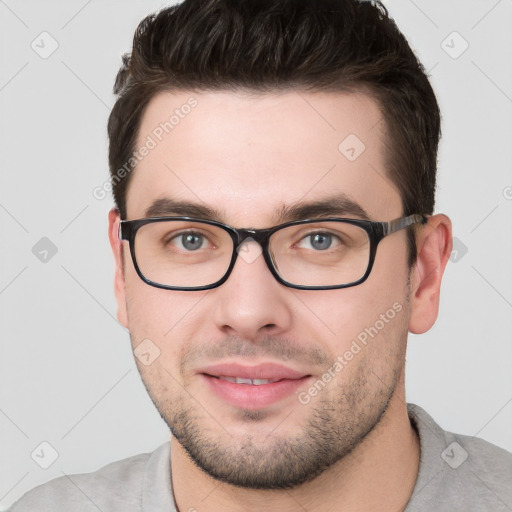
pixel 273 165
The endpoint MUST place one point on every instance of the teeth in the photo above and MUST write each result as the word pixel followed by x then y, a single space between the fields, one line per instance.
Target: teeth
pixel 242 380
pixel 229 379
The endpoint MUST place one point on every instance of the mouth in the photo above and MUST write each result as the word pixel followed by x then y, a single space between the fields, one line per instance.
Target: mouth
pixel 243 380
pixel 253 387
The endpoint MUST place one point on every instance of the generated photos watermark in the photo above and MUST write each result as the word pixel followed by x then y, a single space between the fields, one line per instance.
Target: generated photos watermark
pixel 357 345
pixel 151 142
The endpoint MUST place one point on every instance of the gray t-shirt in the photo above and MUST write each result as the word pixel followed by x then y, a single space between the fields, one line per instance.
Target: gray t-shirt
pixel 456 473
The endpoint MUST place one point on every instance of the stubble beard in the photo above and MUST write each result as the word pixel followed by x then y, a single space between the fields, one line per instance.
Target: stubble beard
pixel 341 416
pixel 335 426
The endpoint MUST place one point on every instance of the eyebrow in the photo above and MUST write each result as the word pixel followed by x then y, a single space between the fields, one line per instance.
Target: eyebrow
pixel 339 205
pixel 166 206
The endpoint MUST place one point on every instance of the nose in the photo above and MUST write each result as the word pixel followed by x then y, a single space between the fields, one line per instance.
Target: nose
pixel 251 303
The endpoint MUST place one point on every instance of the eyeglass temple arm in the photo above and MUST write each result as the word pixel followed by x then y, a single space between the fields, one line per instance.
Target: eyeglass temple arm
pixel 121 231
pixel 404 222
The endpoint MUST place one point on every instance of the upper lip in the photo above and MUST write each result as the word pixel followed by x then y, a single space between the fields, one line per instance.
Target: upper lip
pixel 271 371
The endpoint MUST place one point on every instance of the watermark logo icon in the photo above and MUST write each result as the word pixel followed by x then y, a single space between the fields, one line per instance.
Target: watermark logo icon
pixel 44 45
pixel 44 455
pixel 249 252
pixel 454 455
pixel 454 45
pixel 351 147
pixel 44 250
pixel 459 250
pixel 146 352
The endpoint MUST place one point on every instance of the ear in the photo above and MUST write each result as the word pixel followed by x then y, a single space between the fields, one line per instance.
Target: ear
pixel 434 243
pixel 117 249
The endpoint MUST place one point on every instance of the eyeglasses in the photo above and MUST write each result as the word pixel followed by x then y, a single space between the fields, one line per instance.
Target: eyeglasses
pixel 184 253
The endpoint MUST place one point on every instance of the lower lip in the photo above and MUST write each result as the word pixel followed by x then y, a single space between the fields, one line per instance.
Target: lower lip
pixel 250 396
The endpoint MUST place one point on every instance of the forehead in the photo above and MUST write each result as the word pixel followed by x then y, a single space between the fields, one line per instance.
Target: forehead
pixel 248 155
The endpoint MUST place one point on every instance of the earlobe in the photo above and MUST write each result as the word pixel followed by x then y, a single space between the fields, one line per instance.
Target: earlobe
pixel 117 250
pixel 434 243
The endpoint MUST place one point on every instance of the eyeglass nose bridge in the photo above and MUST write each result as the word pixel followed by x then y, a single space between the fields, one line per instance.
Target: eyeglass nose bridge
pixel 257 235
pixel 261 237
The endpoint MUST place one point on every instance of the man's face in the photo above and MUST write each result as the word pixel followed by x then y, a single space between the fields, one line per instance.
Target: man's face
pixel 248 157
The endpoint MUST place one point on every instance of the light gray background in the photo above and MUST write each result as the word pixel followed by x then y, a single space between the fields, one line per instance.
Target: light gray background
pixel 66 368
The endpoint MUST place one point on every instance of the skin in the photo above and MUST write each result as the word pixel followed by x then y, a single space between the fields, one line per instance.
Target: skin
pixel 247 156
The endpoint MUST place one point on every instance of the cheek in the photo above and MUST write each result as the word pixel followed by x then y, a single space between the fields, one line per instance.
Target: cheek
pixel 151 311
pixel 146 314
pixel 159 318
pixel 374 310
pixel 347 316
pixel 161 382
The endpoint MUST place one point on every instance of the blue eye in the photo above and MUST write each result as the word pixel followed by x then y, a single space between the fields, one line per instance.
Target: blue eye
pixel 320 241
pixel 190 241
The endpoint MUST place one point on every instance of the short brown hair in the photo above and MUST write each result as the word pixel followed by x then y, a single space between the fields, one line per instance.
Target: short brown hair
pixel 269 45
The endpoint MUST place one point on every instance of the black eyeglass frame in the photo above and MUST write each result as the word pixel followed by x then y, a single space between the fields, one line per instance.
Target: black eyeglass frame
pixel 376 232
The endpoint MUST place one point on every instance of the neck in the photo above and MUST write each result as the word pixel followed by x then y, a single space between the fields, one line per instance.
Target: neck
pixel 379 474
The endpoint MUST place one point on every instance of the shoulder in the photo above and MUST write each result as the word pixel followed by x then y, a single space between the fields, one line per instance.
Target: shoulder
pixel 116 486
pixel 488 466
pixel 459 472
